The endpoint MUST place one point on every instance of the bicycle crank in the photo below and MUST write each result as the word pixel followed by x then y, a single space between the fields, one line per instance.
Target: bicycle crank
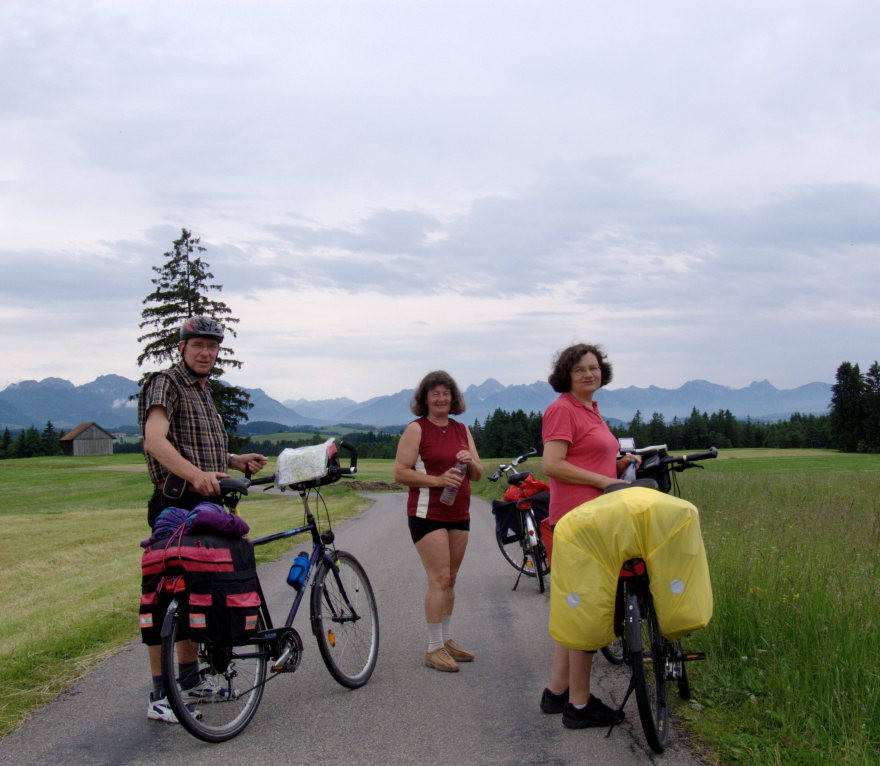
pixel 290 652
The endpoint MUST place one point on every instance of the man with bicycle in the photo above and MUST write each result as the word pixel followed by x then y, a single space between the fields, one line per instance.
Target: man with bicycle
pixel 186 449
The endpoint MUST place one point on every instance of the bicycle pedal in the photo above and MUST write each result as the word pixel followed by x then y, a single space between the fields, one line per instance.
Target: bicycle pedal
pixel 690 656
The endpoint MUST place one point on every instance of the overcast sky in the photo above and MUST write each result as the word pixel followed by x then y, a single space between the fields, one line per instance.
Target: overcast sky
pixel 387 188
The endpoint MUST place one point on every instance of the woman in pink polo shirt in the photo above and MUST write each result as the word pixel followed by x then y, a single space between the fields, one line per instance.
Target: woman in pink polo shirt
pixel 580 458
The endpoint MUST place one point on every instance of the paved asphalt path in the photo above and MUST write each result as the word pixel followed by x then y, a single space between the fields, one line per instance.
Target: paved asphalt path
pixel 407 714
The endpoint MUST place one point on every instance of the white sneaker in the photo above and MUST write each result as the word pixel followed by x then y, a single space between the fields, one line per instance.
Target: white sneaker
pixel 160 710
pixel 209 690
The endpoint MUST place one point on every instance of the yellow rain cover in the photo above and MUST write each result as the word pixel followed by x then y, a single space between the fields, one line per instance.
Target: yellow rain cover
pixel 592 541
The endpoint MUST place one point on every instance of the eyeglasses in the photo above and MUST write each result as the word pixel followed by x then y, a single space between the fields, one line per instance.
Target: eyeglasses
pixel 202 346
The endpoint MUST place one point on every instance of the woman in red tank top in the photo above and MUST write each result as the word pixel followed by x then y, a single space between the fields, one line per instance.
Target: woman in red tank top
pixel 428 451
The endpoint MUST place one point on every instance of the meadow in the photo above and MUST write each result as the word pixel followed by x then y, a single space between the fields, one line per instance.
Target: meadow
pixel 792 538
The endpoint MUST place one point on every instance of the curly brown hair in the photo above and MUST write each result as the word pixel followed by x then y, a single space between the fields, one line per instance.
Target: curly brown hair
pixel 560 377
pixel 419 403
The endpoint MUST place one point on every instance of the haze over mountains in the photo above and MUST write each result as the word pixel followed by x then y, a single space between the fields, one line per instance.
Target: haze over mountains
pixel 107 402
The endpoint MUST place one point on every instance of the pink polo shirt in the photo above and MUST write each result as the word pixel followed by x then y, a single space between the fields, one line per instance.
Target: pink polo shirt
pixel 591 446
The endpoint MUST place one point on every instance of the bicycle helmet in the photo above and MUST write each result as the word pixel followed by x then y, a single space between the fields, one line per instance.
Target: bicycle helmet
pixel 201 327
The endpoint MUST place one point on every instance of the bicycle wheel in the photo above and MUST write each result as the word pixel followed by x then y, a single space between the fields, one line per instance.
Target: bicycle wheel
pixel 647 656
pixel 345 620
pixel 223 688
pixel 516 553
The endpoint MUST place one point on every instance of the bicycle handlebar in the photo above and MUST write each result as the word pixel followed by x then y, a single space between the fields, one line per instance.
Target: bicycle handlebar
pixel 660 449
pixel 351 469
pixel 710 453
pixel 508 467
pixel 334 473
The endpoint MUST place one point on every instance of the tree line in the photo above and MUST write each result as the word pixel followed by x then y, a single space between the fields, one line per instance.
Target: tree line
pixel 855 409
pixel 29 442
pixel 506 434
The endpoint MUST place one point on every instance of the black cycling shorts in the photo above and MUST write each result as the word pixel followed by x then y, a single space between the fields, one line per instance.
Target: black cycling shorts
pixel 419 527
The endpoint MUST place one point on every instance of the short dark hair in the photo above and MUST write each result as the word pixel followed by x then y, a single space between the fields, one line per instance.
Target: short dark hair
pixel 560 377
pixel 419 404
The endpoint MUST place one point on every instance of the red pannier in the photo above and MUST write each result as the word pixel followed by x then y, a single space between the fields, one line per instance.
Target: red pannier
pixel 214 579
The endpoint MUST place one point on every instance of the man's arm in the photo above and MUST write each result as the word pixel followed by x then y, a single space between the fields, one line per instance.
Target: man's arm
pixel 157 445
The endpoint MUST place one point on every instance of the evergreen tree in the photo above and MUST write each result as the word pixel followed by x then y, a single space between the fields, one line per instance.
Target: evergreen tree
pixel 848 408
pixel 637 430
pixel 656 430
pixel 182 289
pixel 28 443
pixel 872 408
pixel 49 441
pixel 5 444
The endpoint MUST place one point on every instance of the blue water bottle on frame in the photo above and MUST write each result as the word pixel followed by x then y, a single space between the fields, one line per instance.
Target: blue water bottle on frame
pixel 299 571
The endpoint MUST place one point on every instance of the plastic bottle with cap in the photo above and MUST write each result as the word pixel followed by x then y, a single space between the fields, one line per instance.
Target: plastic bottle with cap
pixel 299 571
pixel 447 497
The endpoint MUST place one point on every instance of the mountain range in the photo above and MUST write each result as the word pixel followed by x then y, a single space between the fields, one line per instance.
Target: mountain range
pixel 107 401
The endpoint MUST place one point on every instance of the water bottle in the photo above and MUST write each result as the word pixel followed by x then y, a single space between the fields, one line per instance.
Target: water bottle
pixel 299 571
pixel 447 497
pixel 630 473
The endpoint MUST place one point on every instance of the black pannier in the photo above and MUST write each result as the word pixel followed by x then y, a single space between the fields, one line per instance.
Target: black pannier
pixel 215 581
pixel 508 520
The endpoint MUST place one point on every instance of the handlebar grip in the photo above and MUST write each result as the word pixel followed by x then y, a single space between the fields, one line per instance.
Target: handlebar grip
pixel 352 460
pixel 707 455
pixel 263 480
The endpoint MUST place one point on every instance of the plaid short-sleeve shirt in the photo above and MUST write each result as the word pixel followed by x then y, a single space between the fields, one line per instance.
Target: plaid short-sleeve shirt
pixel 195 428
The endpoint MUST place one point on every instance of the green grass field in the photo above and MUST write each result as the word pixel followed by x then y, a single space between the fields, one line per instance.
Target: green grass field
pixel 792 538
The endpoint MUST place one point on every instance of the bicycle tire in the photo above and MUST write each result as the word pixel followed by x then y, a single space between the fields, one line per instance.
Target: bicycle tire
pixel 240 670
pixel 345 620
pixel 647 655
pixel 519 553
pixel 516 554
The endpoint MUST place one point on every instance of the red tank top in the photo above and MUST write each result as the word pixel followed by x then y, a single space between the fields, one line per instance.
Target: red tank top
pixel 437 450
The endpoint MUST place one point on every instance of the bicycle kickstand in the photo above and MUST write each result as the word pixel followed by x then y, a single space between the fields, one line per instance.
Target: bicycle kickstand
pixel 516 584
pixel 629 691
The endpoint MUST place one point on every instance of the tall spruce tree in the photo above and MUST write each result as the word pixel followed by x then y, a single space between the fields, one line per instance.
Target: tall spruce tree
pixel 182 289
pixel 847 417
pixel 872 408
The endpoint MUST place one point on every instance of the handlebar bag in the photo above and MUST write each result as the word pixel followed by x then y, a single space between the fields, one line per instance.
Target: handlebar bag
pixel 214 578
pixel 591 542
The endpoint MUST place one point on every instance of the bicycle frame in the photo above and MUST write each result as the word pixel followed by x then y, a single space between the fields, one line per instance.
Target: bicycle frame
pixel 343 617
pixel 319 552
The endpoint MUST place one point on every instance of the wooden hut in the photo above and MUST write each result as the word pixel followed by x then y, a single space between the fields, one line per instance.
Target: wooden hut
pixel 87 439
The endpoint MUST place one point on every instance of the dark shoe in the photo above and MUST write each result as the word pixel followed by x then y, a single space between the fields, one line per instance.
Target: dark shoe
pixel 553 703
pixel 596 713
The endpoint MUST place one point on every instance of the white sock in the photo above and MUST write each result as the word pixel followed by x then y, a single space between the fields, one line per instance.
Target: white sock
pixel 435 636
pixel 446 632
